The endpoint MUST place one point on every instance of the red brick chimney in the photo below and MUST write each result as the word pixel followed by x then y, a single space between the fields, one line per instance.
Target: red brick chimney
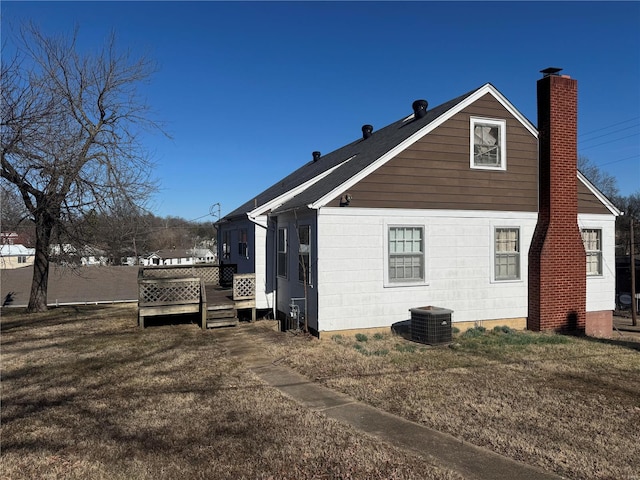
pixel 557 259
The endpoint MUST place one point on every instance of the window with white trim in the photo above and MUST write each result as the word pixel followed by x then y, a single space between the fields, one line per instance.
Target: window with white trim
pixel 282 253
pixel 304 252
pixel 592 239
pixel 488 144
pixel 226 245
pixel 243 249
pixel 507 253
pixel 406 254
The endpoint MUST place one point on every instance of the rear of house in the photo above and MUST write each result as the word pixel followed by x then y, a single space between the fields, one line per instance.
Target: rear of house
pixel 438 208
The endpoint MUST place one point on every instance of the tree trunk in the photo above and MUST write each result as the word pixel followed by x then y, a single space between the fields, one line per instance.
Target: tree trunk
pixel 40 282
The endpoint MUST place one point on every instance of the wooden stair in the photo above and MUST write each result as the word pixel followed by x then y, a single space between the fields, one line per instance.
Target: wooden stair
pixel 221 316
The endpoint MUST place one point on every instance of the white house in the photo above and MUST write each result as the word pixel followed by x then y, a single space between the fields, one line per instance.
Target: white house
pixel 180 256
pixel 16 256
pixel 438 208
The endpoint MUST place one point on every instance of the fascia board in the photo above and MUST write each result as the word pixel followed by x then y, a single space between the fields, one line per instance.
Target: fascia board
pixel 487 88
pixel 599 195
pixel 281 199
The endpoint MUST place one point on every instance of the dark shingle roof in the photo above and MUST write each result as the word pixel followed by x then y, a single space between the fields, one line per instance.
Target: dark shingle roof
pixel 364 153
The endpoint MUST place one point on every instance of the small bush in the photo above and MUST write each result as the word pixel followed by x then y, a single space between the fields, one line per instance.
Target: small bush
pixel 455 330
pixel 503 329
pixel 337 338
pixel 474 332
pixel 378 336
pixel 361 337
pixel 359 347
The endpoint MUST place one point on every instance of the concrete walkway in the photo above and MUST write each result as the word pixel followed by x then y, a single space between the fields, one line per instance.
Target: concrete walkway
pixel 470 461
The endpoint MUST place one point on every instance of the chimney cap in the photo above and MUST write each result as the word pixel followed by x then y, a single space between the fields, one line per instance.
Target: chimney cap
pixel 550 71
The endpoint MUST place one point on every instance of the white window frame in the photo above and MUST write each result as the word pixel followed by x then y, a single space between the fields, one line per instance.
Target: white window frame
pixel 593 252
pixel 495 253
pixel 304 250
pixel 502 126
pixel 283 252
pixel 226 245
pixel 243 246
pixel 388 281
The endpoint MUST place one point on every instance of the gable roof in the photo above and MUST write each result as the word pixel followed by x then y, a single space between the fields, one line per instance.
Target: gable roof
pixel 317 182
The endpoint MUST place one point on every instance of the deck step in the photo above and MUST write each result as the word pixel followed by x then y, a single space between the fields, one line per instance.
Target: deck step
pixel 221 322
pixel 221 313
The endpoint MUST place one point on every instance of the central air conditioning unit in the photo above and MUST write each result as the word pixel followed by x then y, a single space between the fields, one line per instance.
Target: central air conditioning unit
pixel 431 325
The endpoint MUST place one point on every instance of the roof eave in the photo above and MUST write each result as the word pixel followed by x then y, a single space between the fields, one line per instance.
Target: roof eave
pixel 599 195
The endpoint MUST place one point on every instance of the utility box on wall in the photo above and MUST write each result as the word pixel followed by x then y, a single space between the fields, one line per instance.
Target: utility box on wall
pixel 431 325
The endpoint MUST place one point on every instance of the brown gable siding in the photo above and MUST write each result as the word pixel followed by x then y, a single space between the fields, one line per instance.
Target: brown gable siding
pixel 588 202
pixel 434 173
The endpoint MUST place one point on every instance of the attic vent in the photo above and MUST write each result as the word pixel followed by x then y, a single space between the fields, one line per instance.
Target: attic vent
pixel 420 108
pixel 316 156
pixel 367 131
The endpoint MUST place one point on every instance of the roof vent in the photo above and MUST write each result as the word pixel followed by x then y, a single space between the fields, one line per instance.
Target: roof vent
pixel 420 108
pixel 316 156
pixel 367 131
pixel 550 72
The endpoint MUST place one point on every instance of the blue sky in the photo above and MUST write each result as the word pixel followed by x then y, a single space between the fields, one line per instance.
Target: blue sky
pixel 248 90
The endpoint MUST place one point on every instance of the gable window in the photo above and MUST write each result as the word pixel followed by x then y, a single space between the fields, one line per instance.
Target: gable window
pixel 282 253
pixel 488 144
pixel 22 259
pixel 406 254
pixel 243 251
pixel 507 254
pixel 304 250
pixel 592 239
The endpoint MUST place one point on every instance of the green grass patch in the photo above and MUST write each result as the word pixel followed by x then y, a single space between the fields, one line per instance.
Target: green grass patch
pixel 361 337
pixel 405 348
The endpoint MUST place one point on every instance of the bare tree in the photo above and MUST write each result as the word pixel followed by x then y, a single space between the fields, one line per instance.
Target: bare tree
pixel 606 183
pixel 70 130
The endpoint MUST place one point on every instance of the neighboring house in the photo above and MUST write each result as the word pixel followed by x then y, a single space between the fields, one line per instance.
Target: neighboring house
pixel 87 256
pixel 439 208
pixel 16 256
pixel 180 257
pixel 92 256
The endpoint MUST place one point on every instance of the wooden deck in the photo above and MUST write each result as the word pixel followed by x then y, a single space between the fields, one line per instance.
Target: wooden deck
pixel 221 295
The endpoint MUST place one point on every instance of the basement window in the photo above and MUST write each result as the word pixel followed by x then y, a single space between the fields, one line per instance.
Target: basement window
pixel 488 144
pixel 592 239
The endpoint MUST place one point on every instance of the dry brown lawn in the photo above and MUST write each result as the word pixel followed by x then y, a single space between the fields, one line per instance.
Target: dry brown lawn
pixel 565 404
pixel 87 395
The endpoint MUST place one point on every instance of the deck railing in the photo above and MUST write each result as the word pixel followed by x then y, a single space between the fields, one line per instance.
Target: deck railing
pixel 211 274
